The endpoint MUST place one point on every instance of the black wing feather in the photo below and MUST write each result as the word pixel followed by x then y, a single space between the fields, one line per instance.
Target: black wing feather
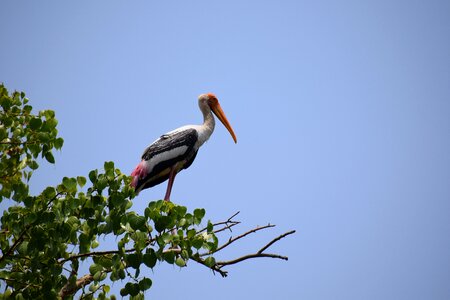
pixel 165 143
pixel 174 140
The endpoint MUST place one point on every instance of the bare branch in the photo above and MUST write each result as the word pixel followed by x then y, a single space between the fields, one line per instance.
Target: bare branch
pixel 231 240
pixel 248 256
pixel 259 253
pixel 217 267
pixel 275 240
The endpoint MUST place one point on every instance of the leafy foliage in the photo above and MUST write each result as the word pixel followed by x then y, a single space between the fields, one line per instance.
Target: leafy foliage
pixel 23 138
pixel 44 238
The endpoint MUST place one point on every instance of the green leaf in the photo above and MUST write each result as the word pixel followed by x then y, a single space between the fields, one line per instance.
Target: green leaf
pixel 49 124
pixel 35 123
pixel 180 262
pixel 136 222
pixel 140 238
pixel 197 243
pixel 49 157
pixel 69 183
pixel 59 142
pixel 150 258
pixel 95 244
pixel 180 210
pixel 93 176
pixel 81 181
pixel 73 222
pixel 27 109
pixel 131 289
pixel 124 291
pixel 191 233
pixel 98 275
pixel 106 288
pixel 30 218
pixel 48 217
pixel 162 223
pixel 169 257
pixel 33 165
pixel 49 114
pixel 43 137
pixel 133 260
pixel 109 166
pixel 3 132
pixel 209 227
pixel 145 284
pixel 210 261
pixel 49 193
pixel 199 213
pixel 101 183
pixel 94 268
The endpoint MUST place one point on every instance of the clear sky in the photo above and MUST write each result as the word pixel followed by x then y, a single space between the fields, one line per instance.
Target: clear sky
pixel 341 109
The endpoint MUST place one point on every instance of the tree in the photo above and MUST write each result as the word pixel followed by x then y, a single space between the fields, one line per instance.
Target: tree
pixel 44 237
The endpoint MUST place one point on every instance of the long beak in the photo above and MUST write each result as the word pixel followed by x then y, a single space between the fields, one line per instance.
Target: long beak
pixel 217 110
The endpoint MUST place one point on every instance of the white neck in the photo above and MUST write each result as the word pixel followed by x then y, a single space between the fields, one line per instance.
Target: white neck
pixel 206 129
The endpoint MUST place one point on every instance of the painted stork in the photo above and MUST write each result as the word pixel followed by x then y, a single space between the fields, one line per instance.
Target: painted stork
pixel 177 149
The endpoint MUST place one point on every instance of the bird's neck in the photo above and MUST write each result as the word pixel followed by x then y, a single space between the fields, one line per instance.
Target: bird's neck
pixel 206 129
pixel 208 121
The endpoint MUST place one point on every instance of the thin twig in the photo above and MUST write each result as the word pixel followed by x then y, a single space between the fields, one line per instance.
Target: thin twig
pixel 95 253
pixel 230 220
pixel 231 240
pixel 234 223
pixel 248 256
pixel 275 240
pixel 92 293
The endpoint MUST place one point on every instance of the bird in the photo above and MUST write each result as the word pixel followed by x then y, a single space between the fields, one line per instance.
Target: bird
pixel 177 149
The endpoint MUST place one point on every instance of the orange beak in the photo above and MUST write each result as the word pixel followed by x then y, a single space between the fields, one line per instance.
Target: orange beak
pixel 217 110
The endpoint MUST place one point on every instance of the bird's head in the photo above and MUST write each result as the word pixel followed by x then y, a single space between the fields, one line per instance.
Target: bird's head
pixel 210 100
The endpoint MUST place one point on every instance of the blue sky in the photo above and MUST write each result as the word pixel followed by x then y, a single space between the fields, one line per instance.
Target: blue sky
pixel 341 110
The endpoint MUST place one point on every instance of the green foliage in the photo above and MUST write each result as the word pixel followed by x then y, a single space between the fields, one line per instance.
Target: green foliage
pixel 24 137
pixel 44 237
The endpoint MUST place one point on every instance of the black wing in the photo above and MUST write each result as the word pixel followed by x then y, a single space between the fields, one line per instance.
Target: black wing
pixel 165 152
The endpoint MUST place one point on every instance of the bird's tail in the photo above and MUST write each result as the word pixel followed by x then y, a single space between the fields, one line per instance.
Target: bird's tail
pixel 138 173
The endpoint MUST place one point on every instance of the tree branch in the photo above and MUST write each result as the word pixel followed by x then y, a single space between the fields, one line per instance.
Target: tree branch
pixel 16 243
pixel 217 267
pixel 95 253
pixel 214 268
pixel 260 252
pixel 221 264
pixel 70 289
pixel 276 240
pixel 231 240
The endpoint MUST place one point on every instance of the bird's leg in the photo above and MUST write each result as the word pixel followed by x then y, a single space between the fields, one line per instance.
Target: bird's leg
pixel 172 175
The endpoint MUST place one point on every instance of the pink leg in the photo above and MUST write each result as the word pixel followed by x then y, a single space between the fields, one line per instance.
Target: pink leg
pixel 172 175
